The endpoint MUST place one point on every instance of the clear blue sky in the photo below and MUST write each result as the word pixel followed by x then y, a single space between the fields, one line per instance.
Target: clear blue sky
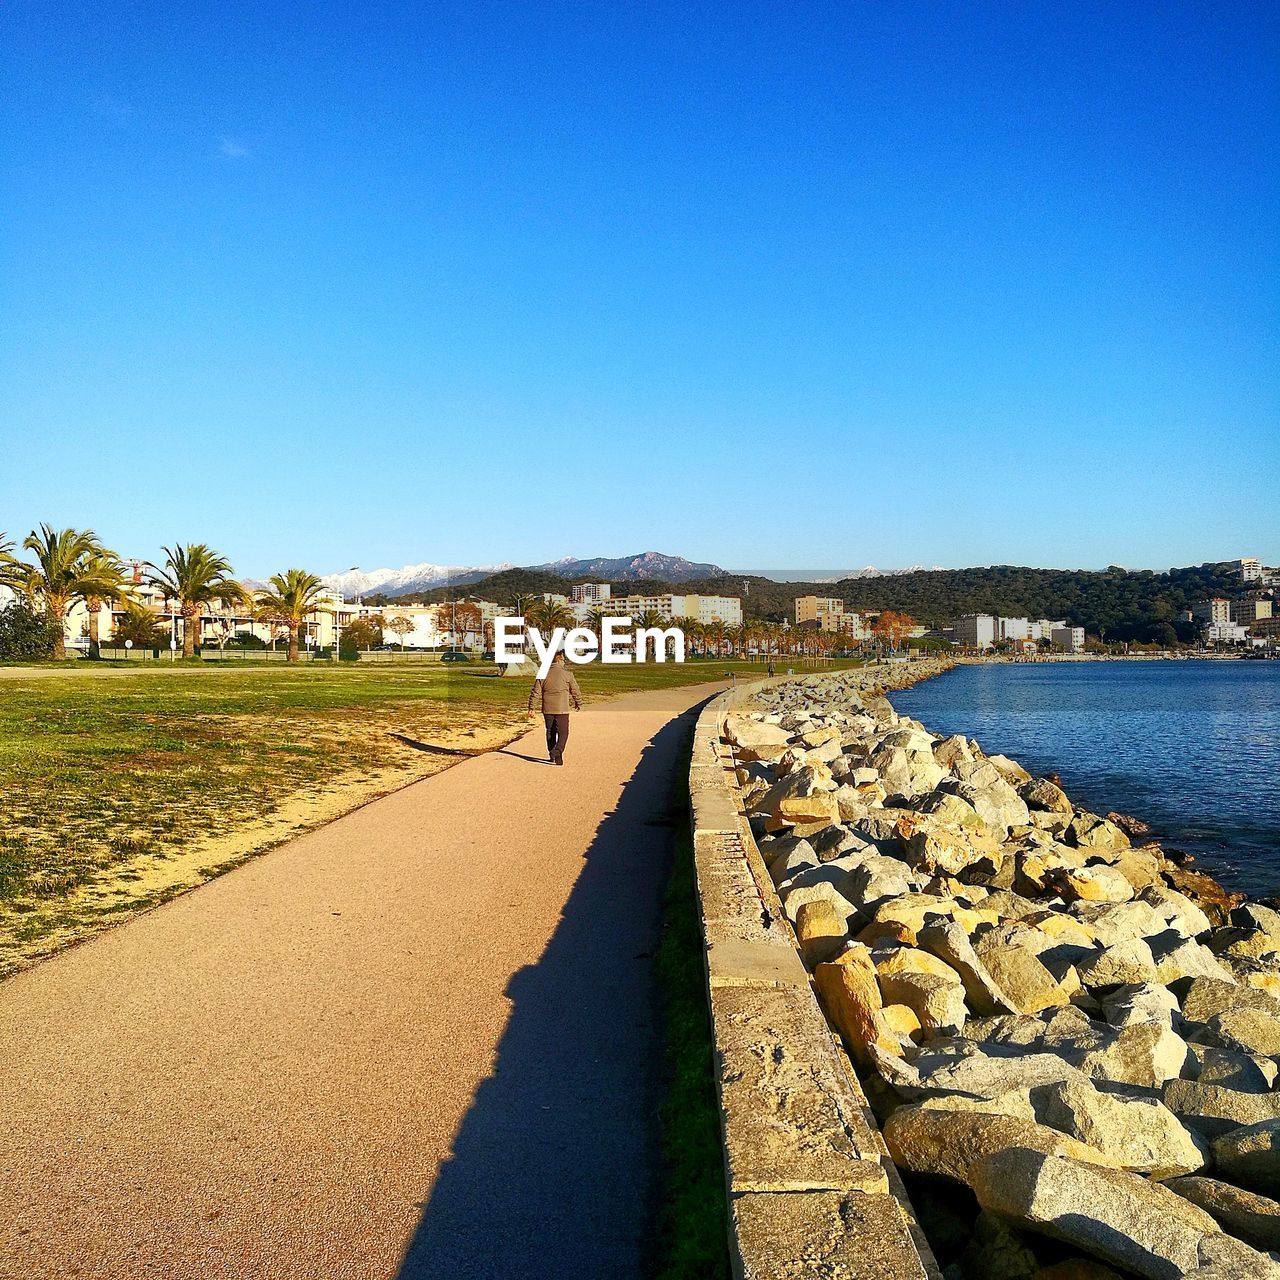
pixel 761 284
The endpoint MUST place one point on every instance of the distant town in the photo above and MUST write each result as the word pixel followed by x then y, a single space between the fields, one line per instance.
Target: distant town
pixel 1247 621
pixel 139 610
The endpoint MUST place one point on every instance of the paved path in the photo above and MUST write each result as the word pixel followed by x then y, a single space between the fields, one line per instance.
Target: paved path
pixel 418 1043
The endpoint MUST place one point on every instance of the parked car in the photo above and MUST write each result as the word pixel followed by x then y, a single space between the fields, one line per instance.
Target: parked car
pixel 454 655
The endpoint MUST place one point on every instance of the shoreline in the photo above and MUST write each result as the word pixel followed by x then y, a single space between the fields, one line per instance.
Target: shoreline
pixel 1238 859
pixel 1034 998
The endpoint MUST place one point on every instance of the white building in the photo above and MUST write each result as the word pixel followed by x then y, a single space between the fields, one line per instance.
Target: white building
pixel 1013 628
pixel 426 632
pixel 726 609
pixel 1250 569
pixel 975 631
pixel 591 592
pixel 1068 639
pixel 1225 633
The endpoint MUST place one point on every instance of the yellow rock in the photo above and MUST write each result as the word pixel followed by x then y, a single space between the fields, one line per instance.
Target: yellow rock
pixel 900 1019
pixel 850 996
pixel 913 960
pixel 820 930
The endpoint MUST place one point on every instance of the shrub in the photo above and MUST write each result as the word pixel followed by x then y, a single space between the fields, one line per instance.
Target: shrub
pixel 25 635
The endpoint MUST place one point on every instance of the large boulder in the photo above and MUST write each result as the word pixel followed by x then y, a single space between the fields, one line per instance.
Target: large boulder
pixel 821 931
pixel 994 800
pixel 1145 1054
pixel 1254 1218
pixel 1206 997
pixel 1138 1134
pixel 1088 831
pixel 935 847
pixel 1020 977
pixel 1091 884
pixel 756 740
pixel 1139 1002
pixel 1213 1110
pixel 803 798
pixel 949 942
pixel 1047 796
pixel 987 1076
pixel 937 1002
pixel 1178 957
pixel 1121 1218
pixel 1124 964
pixel 851 998
pixel 946 1143
pixel 1250 1155
pixel 1179 910
pixel 1247 1031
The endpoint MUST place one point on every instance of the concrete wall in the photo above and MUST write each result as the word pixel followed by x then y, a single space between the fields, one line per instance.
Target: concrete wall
pixel 812 1191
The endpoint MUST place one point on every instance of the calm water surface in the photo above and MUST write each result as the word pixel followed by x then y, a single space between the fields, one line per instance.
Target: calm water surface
pixel 1191 747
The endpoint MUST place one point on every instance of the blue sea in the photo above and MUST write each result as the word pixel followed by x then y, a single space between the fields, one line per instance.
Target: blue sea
pixel 1191 747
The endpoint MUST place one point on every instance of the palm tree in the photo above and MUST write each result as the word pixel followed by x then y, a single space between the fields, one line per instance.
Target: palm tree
pixel 595 621
pixel 67 569
pixel 194 576
pixel 695 634
pixel 714 632
pixel 547 615
pixel 140 624
pixel 108 573
pixel 290 597
pixel 8 565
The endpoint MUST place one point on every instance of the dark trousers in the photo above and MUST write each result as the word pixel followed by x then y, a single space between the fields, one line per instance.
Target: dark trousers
pixel 557 732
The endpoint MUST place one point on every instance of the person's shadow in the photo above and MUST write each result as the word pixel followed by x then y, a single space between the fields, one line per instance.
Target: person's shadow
pixel 553 1169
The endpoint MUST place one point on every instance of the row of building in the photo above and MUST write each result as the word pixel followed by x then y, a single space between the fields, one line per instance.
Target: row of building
pixel 1223 621
pixel 430 626
pixel 973 631
pixel 987 631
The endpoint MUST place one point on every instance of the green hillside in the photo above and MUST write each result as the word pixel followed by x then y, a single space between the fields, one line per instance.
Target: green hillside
pixel 1127 605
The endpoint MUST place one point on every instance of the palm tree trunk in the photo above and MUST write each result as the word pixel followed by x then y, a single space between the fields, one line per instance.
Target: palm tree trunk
pixel 293 642
pixel 57 610
pixel 95 627
pixel 190 625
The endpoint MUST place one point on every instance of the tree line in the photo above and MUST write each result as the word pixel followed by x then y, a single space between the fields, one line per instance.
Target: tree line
pixel 1111 604
pixel 69 566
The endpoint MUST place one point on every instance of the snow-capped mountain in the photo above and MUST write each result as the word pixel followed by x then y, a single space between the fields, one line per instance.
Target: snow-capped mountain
pixel 872 572
pixel 423 577
pixel 403 581
pixel 646 565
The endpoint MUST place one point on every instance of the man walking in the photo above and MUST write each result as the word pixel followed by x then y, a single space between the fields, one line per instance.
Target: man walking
pixel 553 695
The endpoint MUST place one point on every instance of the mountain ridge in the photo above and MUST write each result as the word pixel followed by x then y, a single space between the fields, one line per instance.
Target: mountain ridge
pixel 645 566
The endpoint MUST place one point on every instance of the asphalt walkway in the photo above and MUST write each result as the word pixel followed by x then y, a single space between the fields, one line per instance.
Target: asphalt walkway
pixel 417 1043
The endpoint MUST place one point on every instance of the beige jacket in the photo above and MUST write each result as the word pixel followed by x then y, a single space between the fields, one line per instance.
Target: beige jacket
pixel 554 694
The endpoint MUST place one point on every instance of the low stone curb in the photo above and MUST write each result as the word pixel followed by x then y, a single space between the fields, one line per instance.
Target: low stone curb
pixel 812 1190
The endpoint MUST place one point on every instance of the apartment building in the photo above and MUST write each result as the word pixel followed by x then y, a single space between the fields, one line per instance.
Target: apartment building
pixel 591 592
pixel 1067 639
pixel 726 609
pixel 975 631
pixel 1210 611
pixel 1251 609
pixel 829 614
pixel 812 608
pixel 1250 569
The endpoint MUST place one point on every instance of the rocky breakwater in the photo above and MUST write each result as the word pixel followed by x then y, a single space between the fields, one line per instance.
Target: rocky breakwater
pixel 1071 1042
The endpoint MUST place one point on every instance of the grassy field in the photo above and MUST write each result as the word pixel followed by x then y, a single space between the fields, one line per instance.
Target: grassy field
pixel 121 787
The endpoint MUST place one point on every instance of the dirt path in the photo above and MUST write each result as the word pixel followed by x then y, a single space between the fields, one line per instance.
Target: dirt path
pixel 417 1043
